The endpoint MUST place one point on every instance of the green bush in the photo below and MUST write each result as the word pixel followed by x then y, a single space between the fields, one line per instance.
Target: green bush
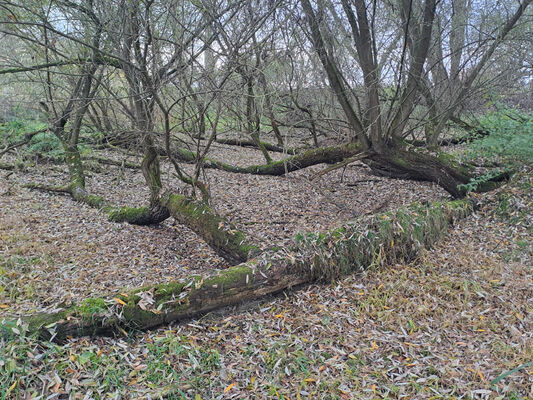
pixel 44 144
pixel 510 138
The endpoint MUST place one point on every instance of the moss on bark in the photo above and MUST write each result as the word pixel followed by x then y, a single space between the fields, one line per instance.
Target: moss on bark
pixel 301 160
pixel 222 236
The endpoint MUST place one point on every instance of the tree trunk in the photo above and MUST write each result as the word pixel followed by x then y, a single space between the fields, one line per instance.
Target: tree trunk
pixel 220 234
pixel 302 160
pixel 403 164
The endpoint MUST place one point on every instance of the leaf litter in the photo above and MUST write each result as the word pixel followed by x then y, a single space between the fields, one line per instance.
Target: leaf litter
pixel 444 326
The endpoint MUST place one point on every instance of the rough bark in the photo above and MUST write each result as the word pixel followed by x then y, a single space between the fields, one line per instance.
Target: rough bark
pixel 441 169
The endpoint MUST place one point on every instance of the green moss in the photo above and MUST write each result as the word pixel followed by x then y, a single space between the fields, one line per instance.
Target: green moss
pixel 231 277
pixel 39 321
pixel 227 240
pixel 94 201
pixel 134 316
pixel 91 306
pixel 126 214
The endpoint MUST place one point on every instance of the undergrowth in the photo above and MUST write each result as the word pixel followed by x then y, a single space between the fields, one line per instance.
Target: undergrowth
pixel 510 138
pixel 508 145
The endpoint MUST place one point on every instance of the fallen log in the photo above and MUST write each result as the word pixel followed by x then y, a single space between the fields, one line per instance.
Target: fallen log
pixel 331 154
pixel 225 239
pixel 371 240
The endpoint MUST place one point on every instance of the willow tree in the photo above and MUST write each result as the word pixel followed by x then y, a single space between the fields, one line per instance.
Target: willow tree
pixel 381 125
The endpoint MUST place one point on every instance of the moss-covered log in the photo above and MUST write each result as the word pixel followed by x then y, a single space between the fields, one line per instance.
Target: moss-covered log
pixel 132 215
pixel 138 215
pixel 220 234
pixel 332 154
pixel 368 241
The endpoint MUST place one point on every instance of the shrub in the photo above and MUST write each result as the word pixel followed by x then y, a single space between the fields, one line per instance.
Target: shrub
pixel 510 138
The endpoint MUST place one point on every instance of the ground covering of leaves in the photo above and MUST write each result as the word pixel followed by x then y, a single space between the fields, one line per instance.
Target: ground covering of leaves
pixel 56 251
pixel 444 326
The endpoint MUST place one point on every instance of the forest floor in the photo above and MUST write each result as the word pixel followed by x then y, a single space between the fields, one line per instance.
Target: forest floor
pixel 444 326
pixel 49 235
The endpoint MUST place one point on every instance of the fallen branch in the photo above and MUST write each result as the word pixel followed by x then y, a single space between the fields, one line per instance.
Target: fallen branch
pixel 331 154
pixel 375 239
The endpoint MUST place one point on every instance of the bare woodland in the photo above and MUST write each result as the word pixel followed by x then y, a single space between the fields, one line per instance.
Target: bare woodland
pixel 197 141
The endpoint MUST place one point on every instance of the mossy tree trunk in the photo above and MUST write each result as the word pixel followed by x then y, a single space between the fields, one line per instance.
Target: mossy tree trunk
pixel 403 164
pixel 304 159
pixel 220 234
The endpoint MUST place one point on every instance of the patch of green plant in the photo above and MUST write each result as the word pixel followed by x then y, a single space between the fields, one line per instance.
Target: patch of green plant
pixel 510 138
pixel 45 144
pixel 477 181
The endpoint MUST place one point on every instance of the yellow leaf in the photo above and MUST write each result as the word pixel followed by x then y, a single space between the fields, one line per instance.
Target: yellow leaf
pixel 374 345
pixel 72 358
pixel 374 389
pixel 280 315
pixel 229 387
pixel 132 382
pixel 119 301
pixel 4 306
pixel 392 243
pixel 12 387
